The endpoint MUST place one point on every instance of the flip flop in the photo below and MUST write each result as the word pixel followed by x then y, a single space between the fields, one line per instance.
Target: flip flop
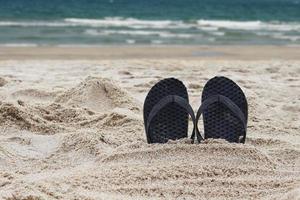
pixel 225 110
pixel 166 111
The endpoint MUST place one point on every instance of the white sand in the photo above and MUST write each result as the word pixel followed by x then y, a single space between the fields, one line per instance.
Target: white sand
pixel 74 130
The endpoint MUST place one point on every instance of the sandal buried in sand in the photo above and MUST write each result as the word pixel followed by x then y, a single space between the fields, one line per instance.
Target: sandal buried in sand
pixel 225 110
pixel 166 111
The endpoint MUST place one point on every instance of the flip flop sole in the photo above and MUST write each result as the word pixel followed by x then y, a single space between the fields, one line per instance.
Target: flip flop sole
pixel 219 121
pixel 172 121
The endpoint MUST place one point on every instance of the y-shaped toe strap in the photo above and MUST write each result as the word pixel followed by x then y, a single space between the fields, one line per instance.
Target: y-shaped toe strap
pixel 229 104
pixel 173 99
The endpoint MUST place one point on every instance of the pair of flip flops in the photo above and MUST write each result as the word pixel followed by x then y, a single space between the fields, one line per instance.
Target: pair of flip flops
pixel 224 108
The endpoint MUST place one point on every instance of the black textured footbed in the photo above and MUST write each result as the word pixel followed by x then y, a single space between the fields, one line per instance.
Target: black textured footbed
pixel 172 121
pixel 219 121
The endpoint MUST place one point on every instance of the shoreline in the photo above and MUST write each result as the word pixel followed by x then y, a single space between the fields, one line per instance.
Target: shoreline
pixel 196 52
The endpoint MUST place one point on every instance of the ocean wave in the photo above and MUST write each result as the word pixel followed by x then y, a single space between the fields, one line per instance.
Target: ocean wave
pixel 156 42
pixel 251 25
pixel 204 25
pixel 105 22
pixel 130 41
pixel 19 45
pixel 218 33
pixel 292 38
pixel 124 22
pixel 34 24
pixel 163 34
pixel 230 24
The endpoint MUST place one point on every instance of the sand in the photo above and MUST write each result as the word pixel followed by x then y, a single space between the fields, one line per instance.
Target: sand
pixel 73 129
pixel 152 52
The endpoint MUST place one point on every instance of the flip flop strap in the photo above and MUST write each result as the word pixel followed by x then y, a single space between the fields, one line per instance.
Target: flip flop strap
pixel 229 104
pixel 172 99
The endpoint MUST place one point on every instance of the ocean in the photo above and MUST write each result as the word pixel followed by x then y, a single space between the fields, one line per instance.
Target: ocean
pixel 157 22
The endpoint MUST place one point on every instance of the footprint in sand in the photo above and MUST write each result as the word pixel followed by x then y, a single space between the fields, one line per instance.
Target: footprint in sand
pixel 2 82
pixel 125 73
pixel 273 69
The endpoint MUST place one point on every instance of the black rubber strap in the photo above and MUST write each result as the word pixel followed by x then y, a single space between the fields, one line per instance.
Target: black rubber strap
pixel 172 99
pixel 229 104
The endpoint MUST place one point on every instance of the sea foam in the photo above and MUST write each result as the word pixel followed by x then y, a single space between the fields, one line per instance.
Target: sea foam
pixel 205 25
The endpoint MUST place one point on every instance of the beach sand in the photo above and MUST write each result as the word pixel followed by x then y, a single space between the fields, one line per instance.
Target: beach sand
pixel 72 126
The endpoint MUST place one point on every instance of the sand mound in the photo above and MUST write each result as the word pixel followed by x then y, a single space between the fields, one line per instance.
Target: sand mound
pixel 107 130
pixel 98 95
pixel 94 103
pixel 56 117
pixel 24 118
pixel 59 114
pixel 42 119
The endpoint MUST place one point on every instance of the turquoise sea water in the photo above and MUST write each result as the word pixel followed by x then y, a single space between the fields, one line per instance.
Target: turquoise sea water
pixel 106 22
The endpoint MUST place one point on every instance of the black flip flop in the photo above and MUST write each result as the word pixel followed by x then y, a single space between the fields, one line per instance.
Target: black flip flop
pixel 225 110
pixel 166 111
